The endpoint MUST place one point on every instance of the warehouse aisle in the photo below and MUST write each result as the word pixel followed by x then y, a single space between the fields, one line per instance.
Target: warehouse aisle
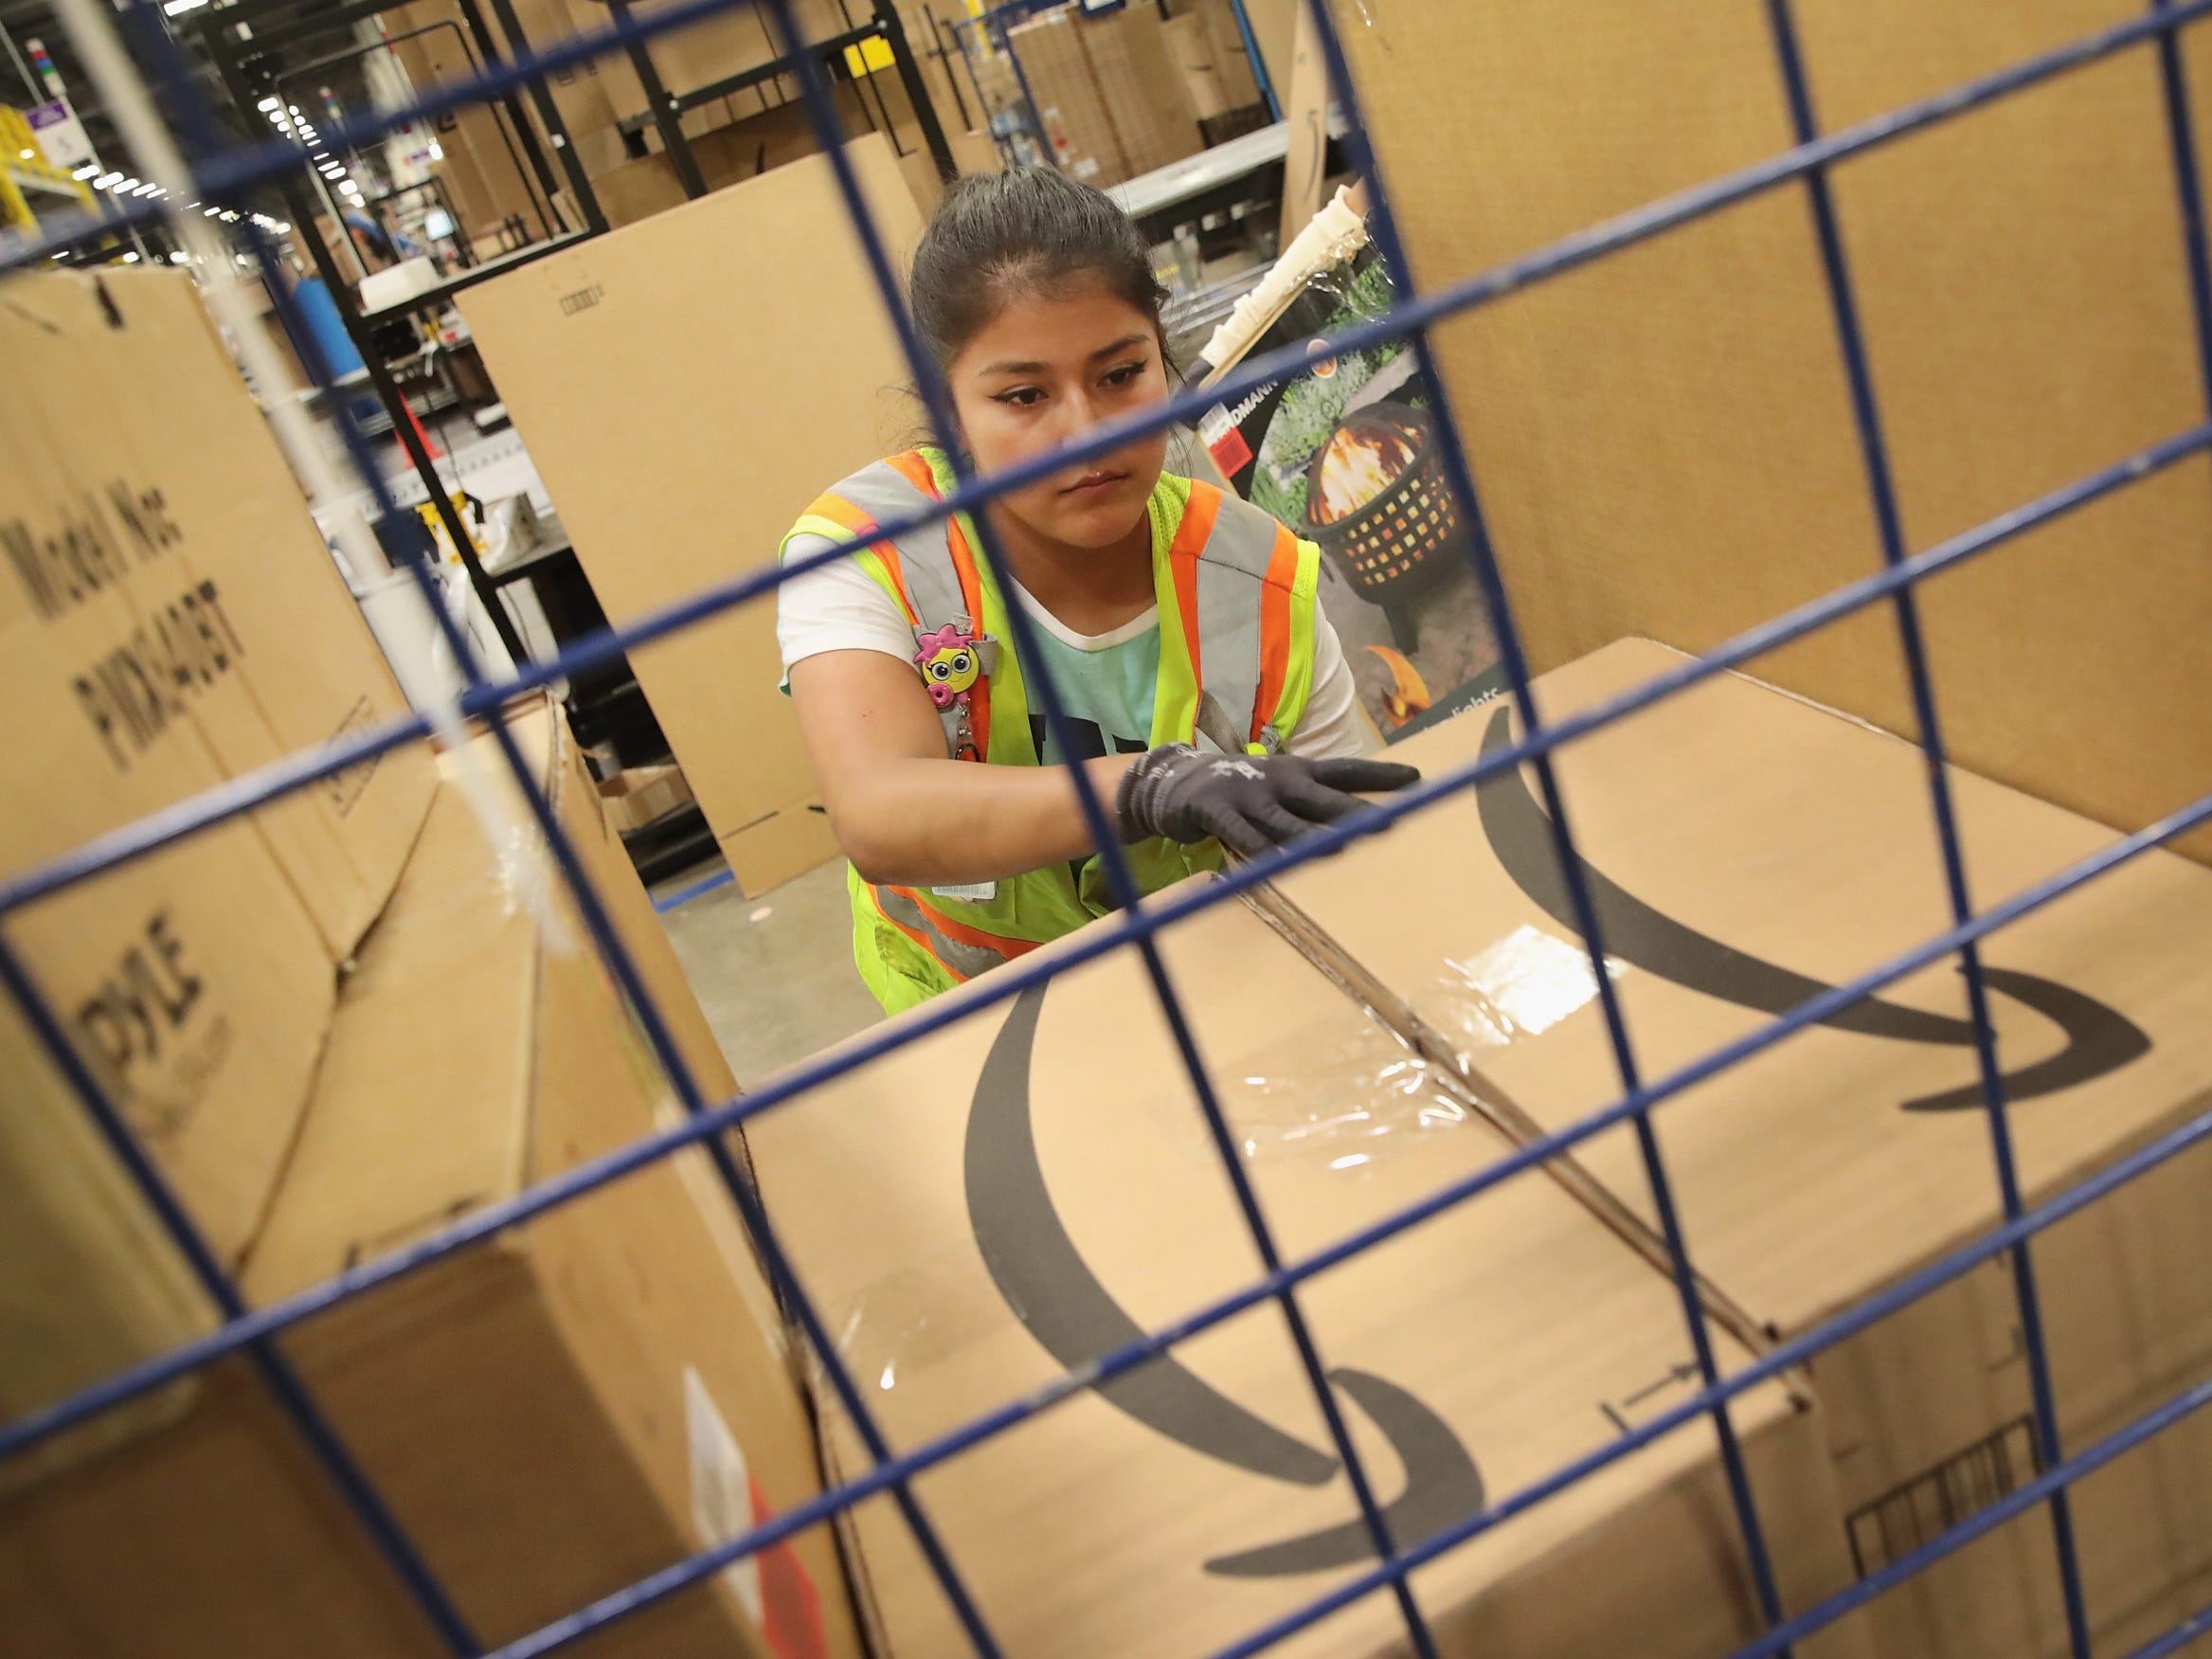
pixel 775 975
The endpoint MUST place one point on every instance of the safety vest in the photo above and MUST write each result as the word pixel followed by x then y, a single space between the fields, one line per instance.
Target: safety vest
pixel 1236 594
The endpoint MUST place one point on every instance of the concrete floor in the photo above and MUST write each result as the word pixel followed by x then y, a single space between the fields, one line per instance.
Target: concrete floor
pixel 774 974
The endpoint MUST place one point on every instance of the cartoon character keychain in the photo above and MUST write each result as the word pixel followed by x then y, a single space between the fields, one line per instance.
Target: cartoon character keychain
pixel 952 659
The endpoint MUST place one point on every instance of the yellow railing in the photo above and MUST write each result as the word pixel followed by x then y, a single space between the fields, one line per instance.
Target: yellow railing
pixel 22 163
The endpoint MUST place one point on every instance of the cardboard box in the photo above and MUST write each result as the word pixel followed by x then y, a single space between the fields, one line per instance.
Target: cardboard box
pixel 1666 448
pixel 633 798
pixel 726 43
pixel 1137 77
pixel 204 535
pixel 631 403
pixel 92 1282
pixel 752 145
pixel 1232 58
pixel 591 103
pixel 483 164
pixel 1274 26
pixel 551 1416
pixel 172 618
pixel 952 95
pixel 1021 1192
pixel 1191 45
pixel 1083 130
pixel 575 796
pixel 1107 91
pixel 1751 850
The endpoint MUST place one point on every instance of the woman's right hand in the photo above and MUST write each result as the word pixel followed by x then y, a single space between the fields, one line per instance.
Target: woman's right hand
pixel 1247 802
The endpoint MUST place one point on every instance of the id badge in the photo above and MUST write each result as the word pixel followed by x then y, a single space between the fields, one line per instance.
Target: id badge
pixel 981 891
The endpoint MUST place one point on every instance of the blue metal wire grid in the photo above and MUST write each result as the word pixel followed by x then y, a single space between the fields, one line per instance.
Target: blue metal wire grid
pixel 218 172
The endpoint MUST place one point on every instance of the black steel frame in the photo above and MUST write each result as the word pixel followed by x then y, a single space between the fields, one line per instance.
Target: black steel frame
pixel 246 66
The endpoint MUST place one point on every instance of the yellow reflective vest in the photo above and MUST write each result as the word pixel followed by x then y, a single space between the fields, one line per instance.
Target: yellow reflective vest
pixel 1236 595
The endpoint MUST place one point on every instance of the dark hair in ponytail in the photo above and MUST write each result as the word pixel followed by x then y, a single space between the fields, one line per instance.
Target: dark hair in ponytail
pixel 998 235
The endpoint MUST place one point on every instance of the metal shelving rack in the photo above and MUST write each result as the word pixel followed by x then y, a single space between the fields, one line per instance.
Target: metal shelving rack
pixel 668 109
pixel 245 41
pixel 1029 143
pixel 253 1334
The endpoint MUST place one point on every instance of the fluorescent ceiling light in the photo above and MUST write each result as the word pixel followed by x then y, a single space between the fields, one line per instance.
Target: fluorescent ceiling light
pixel 268 103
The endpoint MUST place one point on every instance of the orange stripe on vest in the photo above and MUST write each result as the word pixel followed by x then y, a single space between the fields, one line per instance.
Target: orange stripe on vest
pixel 962 933
pixel 1182 559
pixel 921 940
pixel 846 516
pixel 1275 629
pixel 915 470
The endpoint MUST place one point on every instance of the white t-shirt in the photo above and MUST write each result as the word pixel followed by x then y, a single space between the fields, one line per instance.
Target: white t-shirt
pixel 1106 679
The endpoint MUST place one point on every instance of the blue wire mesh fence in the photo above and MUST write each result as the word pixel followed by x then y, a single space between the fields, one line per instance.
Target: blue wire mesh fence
pixel 218 170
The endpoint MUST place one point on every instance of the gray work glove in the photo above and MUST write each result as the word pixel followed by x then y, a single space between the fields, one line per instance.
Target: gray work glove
pixel 1249 802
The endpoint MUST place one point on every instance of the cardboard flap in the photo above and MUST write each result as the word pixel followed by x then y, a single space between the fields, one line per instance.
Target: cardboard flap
pixel 167 590
pixel 410 1128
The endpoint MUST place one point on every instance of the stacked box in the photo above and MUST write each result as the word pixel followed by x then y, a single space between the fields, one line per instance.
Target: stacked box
pixel 1019 1193
pixel 1746 852
pixel 578 1403
pixel 172 619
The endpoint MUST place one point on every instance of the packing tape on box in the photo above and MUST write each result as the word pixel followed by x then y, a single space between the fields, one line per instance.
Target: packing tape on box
pixel 1514 987
pixel 1350 1090
pixel 909 1320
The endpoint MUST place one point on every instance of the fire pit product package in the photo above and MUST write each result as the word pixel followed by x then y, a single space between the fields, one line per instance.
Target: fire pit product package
pixel 1345 455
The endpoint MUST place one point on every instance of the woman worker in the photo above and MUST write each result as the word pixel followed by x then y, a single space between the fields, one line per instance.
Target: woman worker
pixel 1211 699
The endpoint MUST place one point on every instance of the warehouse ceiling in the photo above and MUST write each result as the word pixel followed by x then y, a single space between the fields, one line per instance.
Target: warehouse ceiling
pixel 298 42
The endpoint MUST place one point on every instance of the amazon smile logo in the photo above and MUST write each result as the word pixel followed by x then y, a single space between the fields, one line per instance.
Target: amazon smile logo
pixel 2099 1040
pixel 1051 1289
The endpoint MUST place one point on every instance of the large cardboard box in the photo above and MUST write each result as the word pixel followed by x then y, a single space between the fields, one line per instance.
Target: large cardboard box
pixel 251 643
pixel 1106 88
pixel 590 101
pixel 483 164
pixel 171 619
pixel 952 94
pixel 1008 1198
pixel 712 49
pixel 779 135
pixel 1274 26
pixel 1197 61
pixel 1664 439
pixel 1232 58
pixel 680 450
pixel 1137 76
pixel 1748 850
pixel 1081 128
pixel 578 1403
